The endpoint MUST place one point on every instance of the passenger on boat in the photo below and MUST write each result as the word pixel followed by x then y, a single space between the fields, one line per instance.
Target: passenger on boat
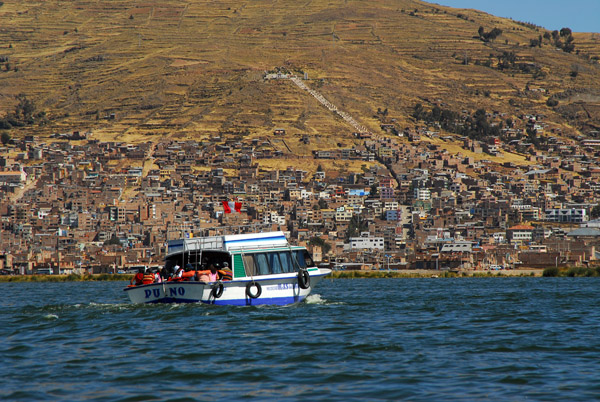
pixel 196 277
pixel 138 279
pixel 225 273
pixel 213 275
pixel 178 272
pixel 148 277
pixel 209 275
pixel 157 276
pixel 189 273
pixel 165 273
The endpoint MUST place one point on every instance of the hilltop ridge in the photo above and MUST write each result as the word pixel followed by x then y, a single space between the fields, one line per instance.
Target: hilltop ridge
pixel 136 72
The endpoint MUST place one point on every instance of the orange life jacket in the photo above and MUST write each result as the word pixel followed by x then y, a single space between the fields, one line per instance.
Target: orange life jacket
pixel 148 278
pixel 177 275
pixel 138 278
pixel 188 274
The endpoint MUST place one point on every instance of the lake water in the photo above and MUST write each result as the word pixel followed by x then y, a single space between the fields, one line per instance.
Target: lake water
pixel 463 339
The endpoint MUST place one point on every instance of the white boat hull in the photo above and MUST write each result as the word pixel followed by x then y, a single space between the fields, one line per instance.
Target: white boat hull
pixel 280 289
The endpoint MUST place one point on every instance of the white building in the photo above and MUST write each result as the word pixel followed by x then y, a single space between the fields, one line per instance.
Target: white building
pixel 390 206
pixel 422 194
pixel 13 177
pixel 343 214
pixel 366 242
pixel 568 215
pixel 458 247
pixel 273 217
pixel 520 234
pixel 499 237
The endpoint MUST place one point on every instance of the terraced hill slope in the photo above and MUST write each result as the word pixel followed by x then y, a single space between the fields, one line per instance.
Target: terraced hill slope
pixel 144 70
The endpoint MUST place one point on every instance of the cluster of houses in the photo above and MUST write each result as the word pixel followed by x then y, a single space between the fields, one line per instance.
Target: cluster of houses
pixel 75 204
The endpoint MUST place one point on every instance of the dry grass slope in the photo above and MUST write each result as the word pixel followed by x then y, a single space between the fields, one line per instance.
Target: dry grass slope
pixel 192 69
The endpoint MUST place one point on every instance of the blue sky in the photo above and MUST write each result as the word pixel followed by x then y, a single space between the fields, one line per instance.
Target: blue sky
pixel 579 15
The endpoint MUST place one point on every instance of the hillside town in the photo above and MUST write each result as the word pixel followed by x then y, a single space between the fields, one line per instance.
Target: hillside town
pixel 74 204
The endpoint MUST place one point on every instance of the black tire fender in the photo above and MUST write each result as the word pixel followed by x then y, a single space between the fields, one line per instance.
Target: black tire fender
pixel 217 290
pixel 249 290
pixel 303 279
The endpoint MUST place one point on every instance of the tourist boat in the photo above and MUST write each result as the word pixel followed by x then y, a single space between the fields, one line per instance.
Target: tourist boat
pixel 265 269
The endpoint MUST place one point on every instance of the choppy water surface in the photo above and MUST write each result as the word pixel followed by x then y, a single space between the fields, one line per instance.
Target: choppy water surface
pixel 362 339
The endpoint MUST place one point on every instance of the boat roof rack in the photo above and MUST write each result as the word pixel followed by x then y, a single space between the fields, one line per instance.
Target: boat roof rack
pixel 185 231
pixel 236 242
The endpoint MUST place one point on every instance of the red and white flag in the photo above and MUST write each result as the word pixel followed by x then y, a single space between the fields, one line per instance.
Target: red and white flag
pixel 229 206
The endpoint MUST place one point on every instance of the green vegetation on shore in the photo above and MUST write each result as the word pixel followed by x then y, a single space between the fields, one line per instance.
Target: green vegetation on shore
pixel 65 278
pixel 571 272
pixel 383 274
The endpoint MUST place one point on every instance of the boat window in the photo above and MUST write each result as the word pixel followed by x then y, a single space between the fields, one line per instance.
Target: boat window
pixel 218 259
pixel 286 261
pixel 308 259
pixel 274 263
pixel 199 259
pixel 299 256
pixel 303 258
pixel 249 265
pixel 260 259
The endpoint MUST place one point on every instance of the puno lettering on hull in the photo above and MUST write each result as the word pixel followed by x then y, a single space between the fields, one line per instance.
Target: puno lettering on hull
pixel 172 292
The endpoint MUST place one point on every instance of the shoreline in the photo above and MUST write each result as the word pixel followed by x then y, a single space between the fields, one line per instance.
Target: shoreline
pixel 432 273
pixel 348 274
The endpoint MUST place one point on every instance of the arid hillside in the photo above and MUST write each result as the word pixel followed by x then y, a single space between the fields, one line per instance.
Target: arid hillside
pixel 142 70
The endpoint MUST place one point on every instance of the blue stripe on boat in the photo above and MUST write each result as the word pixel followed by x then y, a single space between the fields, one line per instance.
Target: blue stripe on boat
pixel 254 239
pixel 278 301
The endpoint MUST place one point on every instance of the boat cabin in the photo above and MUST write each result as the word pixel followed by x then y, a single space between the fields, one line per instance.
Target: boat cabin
pixel 247 255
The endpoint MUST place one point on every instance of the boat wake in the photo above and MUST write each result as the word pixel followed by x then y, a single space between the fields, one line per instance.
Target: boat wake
pixel 315 299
